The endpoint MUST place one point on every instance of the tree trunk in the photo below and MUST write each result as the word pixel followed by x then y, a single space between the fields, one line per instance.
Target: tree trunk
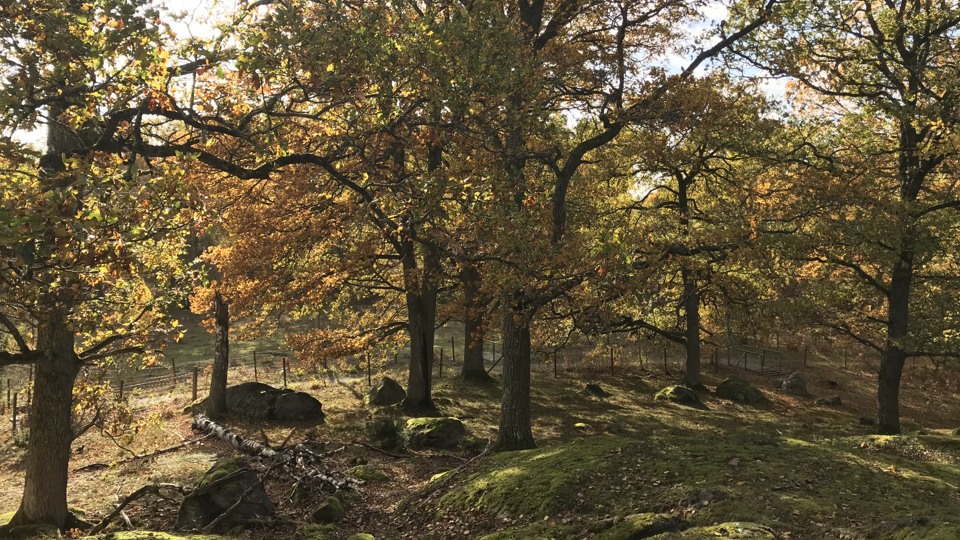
pixel 473 331
pixel 421 296
pixel 51 431
pixel 691 302
pixel 217 400
pixel 894 355
pixel 515 422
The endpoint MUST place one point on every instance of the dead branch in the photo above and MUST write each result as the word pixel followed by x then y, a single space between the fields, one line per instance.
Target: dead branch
pixel 150 488
pixel 98 466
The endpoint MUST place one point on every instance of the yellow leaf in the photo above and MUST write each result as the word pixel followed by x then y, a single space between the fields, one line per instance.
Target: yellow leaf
pixel 330 67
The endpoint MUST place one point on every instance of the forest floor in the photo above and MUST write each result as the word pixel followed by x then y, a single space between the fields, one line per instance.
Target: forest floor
pixel 798 470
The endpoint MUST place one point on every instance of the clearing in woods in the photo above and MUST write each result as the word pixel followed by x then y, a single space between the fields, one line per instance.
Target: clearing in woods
pixel 621 466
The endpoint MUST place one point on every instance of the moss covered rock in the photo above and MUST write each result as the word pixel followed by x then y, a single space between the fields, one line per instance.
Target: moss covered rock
pixel 224 484
pixel 738 390
pixel 642 526
pixel 538 482
pixel 681 395
pixel 442 432
pixel 387 392
pixel 368 473
pixel 332 510
pixel 829 401
pixel 361 536
pixel 315 531
pixel 734 530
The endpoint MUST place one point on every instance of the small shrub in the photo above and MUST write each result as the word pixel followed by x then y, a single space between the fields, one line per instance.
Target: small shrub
pixel 385 432
pixel 21 438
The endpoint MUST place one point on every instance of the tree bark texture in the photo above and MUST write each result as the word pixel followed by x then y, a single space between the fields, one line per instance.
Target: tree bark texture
pixel 473 330
pixel 217 400
pixel 420 285
pixel 51 430
pixel 515 423
pixel 691 302
pixel 894 356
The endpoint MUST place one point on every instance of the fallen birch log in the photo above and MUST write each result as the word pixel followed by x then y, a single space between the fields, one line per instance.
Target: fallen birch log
pixel 302 462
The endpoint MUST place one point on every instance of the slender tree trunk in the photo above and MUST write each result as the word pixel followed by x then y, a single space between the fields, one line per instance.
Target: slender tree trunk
pixel 51 431
pixel 217 400
pixel 894 355
pixel 515 422
pixel 691 303
pixel 473 329
pixel 421 296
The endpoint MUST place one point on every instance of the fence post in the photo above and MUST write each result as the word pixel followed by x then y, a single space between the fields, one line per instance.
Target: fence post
pixel 806 351
pixel 396 357
pixel 612 368
pixel 763 361
pixel 174 362
pixel 121 390
pixel 453 350
pixel 369 371
pixel 14 413
pixel 665 370
pixel 494 350
pixel 196 375
pixel 555 375
pixel 284 371
pixel 9 385
pixel 640 352
pixel 256 374
pixel 440 376
pixel 30 387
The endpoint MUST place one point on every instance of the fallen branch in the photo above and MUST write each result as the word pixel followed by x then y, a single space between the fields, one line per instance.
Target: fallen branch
pixel 375 449
pixel 226 513
pixel 150 488
pixel 302 461
pixel 98 466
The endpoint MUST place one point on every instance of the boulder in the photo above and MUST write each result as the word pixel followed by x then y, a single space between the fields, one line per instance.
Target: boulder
pixel 595 390
pixel 387 392
pixel 225 483
pixel 738 390
pixel 330 511
pixel 829 401
pixel 795 384
pixel 442 432
pixel 258 401
pixel 368 473
pixel 680 394
pixel 297 407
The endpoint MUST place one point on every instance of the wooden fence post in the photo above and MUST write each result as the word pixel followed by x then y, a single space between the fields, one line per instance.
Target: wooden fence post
pixel 284 371
pixel 665 370
pixel 396 357
pixel 440 376
pixel 14 413
pixel 453 350
pixel 174 362
pixel 9 385
pixel 555 374
pixel 494 350
pixel 256 374
pixel 369 371
pixel 640 352
pixel 121 391
pixel 196 375
pixel 806 352
pixel 30 387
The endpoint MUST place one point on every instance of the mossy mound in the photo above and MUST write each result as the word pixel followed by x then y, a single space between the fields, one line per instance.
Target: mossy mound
pixel 535 482
pixel 735 530
pixel 681 395
pixel 738 390
pixel 330 511
pixel 642 526
pixel 368 473
pixel 361 536
pixel 924 531
pixel 429 432
pixel 314 531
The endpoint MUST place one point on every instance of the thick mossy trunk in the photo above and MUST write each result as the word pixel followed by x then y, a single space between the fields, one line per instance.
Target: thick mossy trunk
pixel 473 327
pixel 51 431
pixel 421 297
pixel 894 356
pixel 691 304
pixel 515 423
pixel 217 400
